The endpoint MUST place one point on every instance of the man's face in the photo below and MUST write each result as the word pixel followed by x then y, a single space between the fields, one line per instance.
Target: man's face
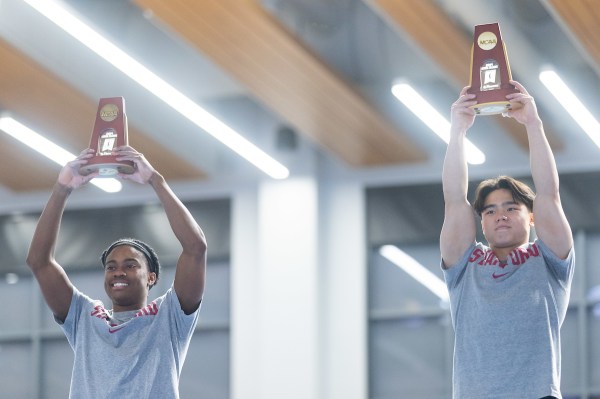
pixel 505 223
pixel 127 278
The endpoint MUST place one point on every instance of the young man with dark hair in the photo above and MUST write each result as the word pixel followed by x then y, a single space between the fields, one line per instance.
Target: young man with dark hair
pixel 508 298
pixel 134 349
pixel 520 191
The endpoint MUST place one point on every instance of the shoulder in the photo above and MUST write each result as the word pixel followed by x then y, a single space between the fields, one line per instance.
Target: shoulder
pixel 167 300
pixel 82 301
pixel 562 269
pixel 475 252
pixel 549 255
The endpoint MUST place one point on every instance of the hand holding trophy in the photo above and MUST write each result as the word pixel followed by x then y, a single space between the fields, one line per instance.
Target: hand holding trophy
pixel 110 131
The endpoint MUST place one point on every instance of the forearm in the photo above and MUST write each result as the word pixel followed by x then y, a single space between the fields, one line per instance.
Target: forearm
pixel 458 229
pixel 455 172
pixel 543 166
pixel 551 224
pixel 41 249
pixel 185 228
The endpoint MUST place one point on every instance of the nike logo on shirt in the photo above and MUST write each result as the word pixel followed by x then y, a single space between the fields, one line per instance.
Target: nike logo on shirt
pixel 494 275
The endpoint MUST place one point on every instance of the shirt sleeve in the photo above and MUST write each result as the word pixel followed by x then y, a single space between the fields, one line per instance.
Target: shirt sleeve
pixel 69 326
pixel 561 269
pixel 453 273
pixel 184 324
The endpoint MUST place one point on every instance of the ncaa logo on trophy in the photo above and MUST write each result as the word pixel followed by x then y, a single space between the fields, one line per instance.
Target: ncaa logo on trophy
pixel 490 71
pixel 110 131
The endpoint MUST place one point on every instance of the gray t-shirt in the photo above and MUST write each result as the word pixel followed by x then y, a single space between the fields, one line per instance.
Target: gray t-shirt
pixel 507 321
pixel 140 358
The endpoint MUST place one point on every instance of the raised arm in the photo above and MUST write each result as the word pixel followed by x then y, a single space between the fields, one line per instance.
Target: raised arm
pixel 191 265
pixel 51 277
pixel 551 225
pixel 458 230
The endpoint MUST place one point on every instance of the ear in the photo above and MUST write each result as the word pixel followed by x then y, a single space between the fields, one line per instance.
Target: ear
pixel 151 279
pixel 531 219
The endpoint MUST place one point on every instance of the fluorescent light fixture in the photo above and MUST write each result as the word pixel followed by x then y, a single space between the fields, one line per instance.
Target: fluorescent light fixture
pixel 415 270
pixel 163 90
pixel 433 119
pixel 571 104
pixel 50 150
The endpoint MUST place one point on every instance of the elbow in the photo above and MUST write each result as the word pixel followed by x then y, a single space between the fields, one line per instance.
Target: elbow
pixel 38 259
pixel 202 246
pixel 34 261
pixel 198 246
pixel 194 242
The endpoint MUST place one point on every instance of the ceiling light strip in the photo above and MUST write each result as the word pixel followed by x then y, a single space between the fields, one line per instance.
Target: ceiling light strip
pixel 433 119
pixel 571 104
pixel 157 86
pixel 415 270
pixel 29 137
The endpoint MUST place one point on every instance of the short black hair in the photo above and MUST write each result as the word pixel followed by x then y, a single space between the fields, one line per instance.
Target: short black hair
pixel 521 192
pixel 147 250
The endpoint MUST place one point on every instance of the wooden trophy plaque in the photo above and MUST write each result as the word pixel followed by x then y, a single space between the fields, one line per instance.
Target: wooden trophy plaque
pixel 490 71
pixel 110 131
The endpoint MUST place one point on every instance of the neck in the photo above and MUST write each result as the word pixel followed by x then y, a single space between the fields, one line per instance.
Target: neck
pixel 503 253
pixel 125 308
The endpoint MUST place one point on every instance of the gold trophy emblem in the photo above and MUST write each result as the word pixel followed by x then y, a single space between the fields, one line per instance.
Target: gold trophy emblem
pixel 110 131
pixel 490 71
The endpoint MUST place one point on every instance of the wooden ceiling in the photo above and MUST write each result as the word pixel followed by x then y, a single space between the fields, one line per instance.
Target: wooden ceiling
pixel 38 98
pixel 416 18
pixel 580 18
pixel 247 42
pixel 278 70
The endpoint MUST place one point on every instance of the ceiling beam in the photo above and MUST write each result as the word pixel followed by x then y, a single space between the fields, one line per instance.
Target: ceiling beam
pixel 43 102
pixel 444 43
pixel 248 43
pixel 580 20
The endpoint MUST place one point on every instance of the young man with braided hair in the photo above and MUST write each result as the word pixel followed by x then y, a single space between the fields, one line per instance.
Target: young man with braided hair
pixel 508 298
pixel 134 349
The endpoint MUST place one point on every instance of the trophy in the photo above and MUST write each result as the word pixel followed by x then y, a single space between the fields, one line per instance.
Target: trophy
pixel 110 131
pixel 490 71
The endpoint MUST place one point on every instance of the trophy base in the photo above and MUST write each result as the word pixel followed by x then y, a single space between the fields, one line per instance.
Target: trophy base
pixel 492 102
pixel 107 166
pixel 491 108
pixel 494 107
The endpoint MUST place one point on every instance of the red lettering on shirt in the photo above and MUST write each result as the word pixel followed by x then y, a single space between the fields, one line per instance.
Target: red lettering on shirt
pixel 534 250
pixel 514 258
pixel 490 258
pixel 477 253
pixel 487 257
pixel 99 312
pixel 149 310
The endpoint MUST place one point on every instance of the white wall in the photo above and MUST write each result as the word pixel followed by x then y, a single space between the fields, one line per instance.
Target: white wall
pixel 298 327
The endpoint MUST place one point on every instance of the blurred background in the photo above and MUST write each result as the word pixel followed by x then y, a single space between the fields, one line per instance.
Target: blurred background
pixel 276 123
